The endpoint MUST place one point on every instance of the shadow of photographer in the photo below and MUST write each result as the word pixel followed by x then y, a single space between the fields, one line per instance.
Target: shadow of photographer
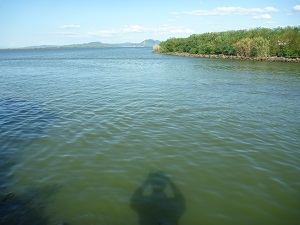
pixel 157 208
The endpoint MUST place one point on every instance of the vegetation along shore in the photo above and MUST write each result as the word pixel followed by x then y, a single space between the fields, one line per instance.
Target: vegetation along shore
pixel 262 44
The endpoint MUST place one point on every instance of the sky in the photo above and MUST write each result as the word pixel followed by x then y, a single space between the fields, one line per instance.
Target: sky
pixel 61 22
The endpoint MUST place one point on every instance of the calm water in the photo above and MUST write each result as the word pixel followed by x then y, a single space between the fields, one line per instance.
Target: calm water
pixel 81 129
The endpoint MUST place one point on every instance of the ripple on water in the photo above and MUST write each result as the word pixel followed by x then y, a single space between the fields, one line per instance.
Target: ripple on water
pixel 97 126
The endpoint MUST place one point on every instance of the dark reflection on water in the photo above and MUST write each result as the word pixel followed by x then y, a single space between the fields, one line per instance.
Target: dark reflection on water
pixel 157 208
pixel 26 208
pixel 21 122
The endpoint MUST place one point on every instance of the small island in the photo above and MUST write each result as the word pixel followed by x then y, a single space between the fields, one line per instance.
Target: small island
pixel 261 44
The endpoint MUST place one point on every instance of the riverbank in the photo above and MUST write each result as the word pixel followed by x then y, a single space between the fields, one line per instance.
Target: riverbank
pixel 221 56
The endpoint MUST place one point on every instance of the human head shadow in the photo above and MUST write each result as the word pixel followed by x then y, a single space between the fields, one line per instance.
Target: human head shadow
pixel 157 208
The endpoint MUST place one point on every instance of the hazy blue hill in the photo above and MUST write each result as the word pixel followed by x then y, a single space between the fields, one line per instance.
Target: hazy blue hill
pixel 145 43
pixel 42 46
pixel 87 45
pixel 150 43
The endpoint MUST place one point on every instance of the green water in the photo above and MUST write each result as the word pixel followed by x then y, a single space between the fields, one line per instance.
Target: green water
pixel 81 129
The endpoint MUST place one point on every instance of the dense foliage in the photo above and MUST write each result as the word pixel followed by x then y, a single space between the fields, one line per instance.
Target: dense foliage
pixel 259 42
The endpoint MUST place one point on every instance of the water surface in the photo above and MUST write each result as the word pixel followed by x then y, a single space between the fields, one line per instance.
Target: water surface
pixel 91 124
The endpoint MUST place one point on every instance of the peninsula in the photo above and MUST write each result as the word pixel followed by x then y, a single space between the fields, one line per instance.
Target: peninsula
pixel 263 44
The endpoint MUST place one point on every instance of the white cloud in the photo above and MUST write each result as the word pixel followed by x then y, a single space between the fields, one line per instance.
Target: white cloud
pixel 126 29
pixel 180 31
pixel 264 16
pixel 271 9
pixel 223 11
pixel 134 29
pixel 71 34
pixel 238 10
pixel 103 33
pixel 296 8
pixel 70 26
pixel 165 29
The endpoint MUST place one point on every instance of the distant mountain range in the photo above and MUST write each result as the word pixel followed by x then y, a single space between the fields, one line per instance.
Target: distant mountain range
pixel 146 43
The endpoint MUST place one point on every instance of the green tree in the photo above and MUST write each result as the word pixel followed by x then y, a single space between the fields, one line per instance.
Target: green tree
pixel 244 47
pixel 261 47
pixel 258 42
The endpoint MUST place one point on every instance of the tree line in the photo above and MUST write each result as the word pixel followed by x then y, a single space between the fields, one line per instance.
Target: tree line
pixel 258 42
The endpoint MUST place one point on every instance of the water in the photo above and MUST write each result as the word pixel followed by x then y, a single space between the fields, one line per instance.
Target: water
pixel 81 129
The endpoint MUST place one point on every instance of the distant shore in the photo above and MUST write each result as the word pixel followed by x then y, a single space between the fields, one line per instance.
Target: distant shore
pixel 221 56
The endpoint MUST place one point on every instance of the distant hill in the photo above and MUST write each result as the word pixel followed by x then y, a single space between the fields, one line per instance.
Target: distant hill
pixel 150 43
pixel 145 43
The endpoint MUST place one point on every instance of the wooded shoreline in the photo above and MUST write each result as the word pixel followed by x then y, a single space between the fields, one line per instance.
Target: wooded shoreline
pixel 259 44
pixel 221 56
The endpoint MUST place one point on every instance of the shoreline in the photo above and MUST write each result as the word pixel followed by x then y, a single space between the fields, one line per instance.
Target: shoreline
pixel 221 56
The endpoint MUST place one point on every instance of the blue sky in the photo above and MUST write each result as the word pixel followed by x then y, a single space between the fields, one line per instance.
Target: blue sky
pixel 60 22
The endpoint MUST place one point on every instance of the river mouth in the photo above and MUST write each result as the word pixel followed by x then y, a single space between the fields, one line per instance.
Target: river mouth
pixel 81 129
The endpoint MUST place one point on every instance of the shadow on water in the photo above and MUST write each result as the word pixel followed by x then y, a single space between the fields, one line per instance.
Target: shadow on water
pixel 21 122
pixel 156 207
pixel 27 208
